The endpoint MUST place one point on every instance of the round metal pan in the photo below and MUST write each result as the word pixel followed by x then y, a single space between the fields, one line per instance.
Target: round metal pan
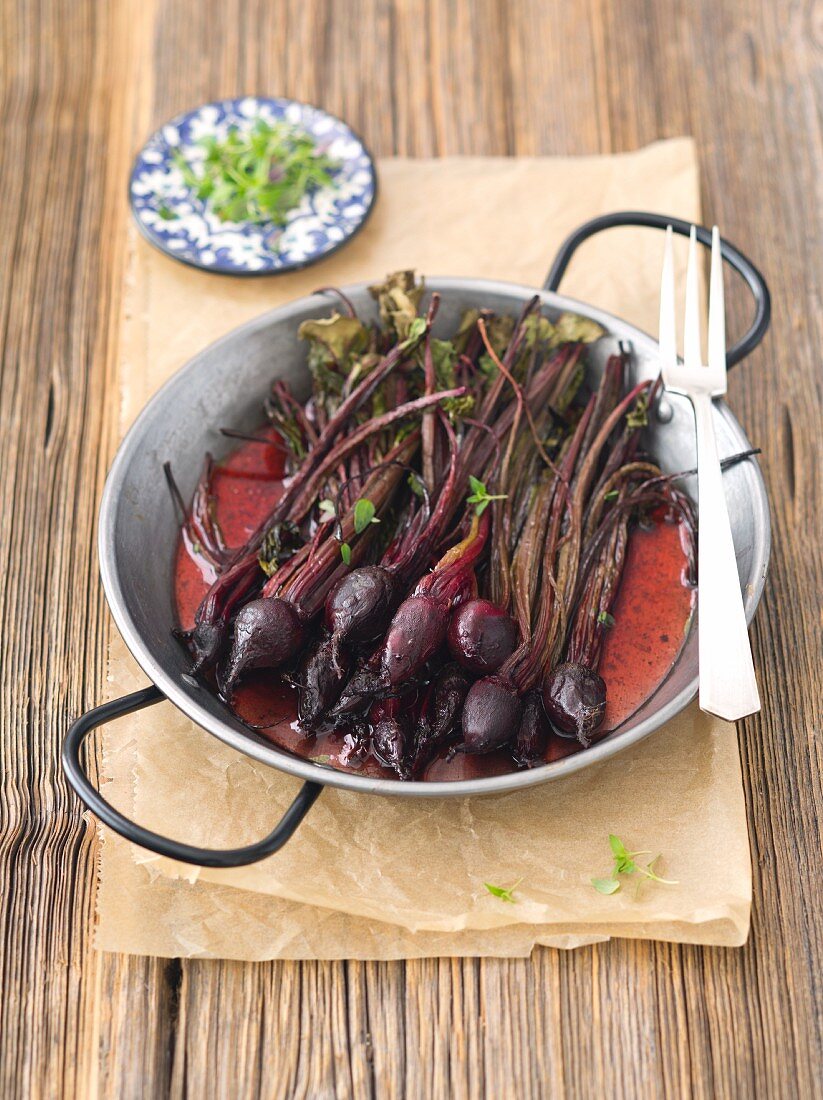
pixel 224 384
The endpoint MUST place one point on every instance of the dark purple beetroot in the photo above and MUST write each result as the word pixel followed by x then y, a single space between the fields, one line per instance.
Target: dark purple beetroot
pixel 267 632
pixel 532 740
pixel 359 607
pixel 389 738
pixel 417 631
pixel 481 636
pixel 575 700
pixel 357 696
pixel 441 715
pixel 491 715
pixel 321 681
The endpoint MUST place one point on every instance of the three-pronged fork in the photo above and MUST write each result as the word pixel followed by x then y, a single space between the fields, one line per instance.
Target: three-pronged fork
pixel 728 686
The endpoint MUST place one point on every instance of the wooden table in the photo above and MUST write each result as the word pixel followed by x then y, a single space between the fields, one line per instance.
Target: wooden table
pixel 81 82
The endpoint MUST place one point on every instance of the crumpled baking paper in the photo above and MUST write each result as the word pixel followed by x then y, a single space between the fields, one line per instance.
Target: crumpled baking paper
pixel 371 877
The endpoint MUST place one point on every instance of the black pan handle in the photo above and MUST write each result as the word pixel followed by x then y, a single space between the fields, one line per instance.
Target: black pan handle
pixel 186 853
pixel 733 256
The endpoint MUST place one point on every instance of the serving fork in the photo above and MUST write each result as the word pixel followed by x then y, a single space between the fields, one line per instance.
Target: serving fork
pixel 728 687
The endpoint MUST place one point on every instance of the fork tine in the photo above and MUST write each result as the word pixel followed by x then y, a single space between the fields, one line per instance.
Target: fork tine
pixel 717 310
pixel 667 334
pixel 691 332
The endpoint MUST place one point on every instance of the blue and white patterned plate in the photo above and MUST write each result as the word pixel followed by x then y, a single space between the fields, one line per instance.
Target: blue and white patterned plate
pixel 179 224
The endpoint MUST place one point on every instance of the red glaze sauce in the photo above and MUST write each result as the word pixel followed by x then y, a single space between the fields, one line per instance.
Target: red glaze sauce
pixel 651 617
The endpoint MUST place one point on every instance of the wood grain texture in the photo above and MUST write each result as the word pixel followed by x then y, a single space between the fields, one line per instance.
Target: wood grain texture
pixel 80 82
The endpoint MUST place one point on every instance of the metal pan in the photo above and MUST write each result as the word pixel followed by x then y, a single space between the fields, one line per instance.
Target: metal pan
pixel 224 385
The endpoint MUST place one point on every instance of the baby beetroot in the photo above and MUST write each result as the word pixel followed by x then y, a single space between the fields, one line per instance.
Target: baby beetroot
pixel 360 605
pixel 491 715
pixel 481 636
pixel 389 736
pixel 440 714
pixel 417 631
pixel 322 677
pixel 267 632
pixel 575 700
pixel 532 740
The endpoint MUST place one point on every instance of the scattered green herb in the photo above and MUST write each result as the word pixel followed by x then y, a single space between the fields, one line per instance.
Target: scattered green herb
pixel 165 212
pixel 625 863
pixel 605 619
pixel 363 515
pixel 345 552
pixel 503 892
pixel 257 175
pixel 416 485
pixel 611 495
pixel 327 510
pixel 480 496
pixel 606 885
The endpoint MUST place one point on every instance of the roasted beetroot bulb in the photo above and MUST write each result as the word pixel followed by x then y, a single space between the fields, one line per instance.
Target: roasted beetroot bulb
pixel 267 632
pixel 417 631
pixel 529 746
pixel 575 700
pixel 419 626
pixel 389 737
pixel 360 605
pixel 491 715
pixel 481 636
pixel 320 681
pixel 441 714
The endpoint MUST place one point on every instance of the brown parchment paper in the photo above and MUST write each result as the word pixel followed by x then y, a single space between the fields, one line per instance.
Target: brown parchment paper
pixel 380 878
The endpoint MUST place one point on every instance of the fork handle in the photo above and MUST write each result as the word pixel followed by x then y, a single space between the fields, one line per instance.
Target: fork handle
pixel 728 687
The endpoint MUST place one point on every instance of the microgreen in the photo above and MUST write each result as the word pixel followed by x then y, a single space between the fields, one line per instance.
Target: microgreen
pixel 480 497
pixel 363 515
pixel 345 552
pixel 606 885
pixel 625 863
pixel 257 175
pixel 503 892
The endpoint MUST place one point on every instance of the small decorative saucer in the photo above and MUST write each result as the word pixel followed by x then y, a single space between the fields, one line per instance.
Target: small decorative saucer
pixel 171 216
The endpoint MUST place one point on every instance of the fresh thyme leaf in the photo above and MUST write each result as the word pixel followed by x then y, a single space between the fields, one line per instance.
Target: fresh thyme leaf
pixel 480 497
pixel 363 515
pixel 625 864
pixel 345 552
pixel 605 619
pixel 503 892
pixel 257 175
pixel 611 495
pixel 606 885
pixel 617 846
